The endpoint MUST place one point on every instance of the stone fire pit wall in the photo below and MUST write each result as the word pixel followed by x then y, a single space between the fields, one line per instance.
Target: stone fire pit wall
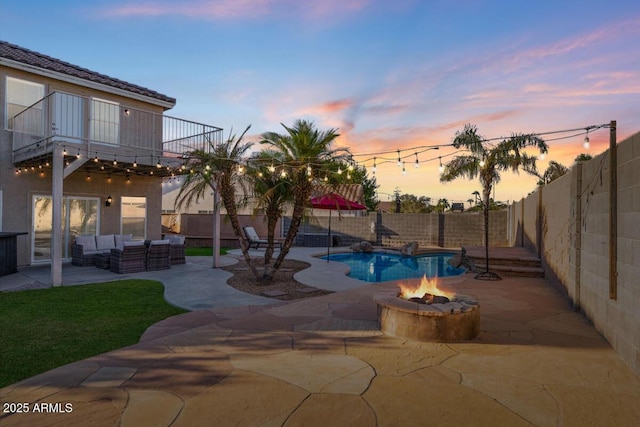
pixel 454 321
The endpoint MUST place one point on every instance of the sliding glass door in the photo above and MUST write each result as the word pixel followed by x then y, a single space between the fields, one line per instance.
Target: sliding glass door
pixel 79 216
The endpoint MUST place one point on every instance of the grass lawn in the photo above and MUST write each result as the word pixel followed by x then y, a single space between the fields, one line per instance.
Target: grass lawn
pixel 204 251
pixel 47 328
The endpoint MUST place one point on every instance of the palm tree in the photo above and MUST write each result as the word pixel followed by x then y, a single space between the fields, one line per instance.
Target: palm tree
pixel 554 171
pixel 486 162
pixel 443 204
pixel 476 195
pixel 217 168
pixel 470 201
pixel 272 192
pixel 304 149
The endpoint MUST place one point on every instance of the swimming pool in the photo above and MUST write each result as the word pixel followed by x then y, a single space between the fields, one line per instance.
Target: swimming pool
pixel 382 267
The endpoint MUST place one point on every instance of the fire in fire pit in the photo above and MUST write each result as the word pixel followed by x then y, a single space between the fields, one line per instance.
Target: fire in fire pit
pixel 426 293
pixel 427 313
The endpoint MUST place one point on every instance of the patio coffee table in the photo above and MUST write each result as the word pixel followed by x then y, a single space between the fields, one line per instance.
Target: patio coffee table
pixel 103 261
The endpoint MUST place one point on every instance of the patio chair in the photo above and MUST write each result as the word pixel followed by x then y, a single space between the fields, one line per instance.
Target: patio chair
pixel 177 249
pixel 254 239
pixel 158 255
pixel 131 258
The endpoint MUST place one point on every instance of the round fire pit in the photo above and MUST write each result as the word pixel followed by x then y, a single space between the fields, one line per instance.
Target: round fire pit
pixel 455 320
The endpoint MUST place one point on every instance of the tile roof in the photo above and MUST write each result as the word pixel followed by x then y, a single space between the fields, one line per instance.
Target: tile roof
pixel 35 59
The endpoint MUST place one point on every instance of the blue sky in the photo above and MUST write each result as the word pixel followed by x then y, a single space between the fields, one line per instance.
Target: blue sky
pixel 388 74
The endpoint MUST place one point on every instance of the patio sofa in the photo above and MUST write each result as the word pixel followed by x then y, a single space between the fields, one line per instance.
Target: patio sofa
pixel 85 248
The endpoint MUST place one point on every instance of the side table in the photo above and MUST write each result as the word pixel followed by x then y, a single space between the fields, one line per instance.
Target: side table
pixel 103 261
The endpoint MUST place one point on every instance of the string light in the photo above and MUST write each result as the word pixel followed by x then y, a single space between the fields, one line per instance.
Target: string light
pixel 95 159
pixel 417 161
pixel 135 162
pixel 404 171
pixel 159 165
pixel 64 150
pixel 78 154
pixel 339 171
pixel 585 144
pixel 441 168
pixel 115 161
pixel 399 160
pixel 374 166
pixel 482 163
pixel 272 168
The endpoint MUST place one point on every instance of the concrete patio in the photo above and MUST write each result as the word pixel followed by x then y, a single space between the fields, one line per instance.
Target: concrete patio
pixel 245 360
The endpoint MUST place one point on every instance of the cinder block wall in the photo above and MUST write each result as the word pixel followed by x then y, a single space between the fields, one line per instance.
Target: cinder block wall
pixel 567 221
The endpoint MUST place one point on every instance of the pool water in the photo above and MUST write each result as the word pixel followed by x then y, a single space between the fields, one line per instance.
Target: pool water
pixel 382 267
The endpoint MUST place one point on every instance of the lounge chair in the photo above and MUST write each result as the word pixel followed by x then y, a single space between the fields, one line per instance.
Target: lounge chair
pixel 254 239
pixel 130 258
pixel 176 242
pixel 158 255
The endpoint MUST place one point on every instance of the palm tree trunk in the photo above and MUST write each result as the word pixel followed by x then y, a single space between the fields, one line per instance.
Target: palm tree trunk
pixel 296 218
pixel 272 219
pixel 228 198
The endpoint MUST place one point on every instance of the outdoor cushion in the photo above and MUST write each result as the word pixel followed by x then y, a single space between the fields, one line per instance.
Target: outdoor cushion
pixel 105 242
pixel 133 243
pixel 88 243
pixel 176 239
pixel 121 238
pixel 159 242
pixel 251 234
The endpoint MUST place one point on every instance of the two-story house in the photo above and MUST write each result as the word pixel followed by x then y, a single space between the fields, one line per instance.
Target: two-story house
pixel 83 153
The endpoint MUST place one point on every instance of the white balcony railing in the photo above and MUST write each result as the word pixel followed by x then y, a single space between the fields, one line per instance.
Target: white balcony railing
pixel 96 125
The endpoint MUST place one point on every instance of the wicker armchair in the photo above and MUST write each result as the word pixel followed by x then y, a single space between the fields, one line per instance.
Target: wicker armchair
pixel 131 258
pixel 158 255
pixel 176 242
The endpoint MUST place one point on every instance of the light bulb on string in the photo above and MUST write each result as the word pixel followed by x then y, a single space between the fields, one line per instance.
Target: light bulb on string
pixel 339 170
pixel 441 167
pixel 373 169
pixel 399 160
pixel 135 162
pixel 417 161
pixel 586 144
pixel 272 168
pixel 482 163
pixel 404 171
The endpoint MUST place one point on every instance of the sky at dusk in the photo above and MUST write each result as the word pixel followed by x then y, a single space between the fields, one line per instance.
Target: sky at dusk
pixel 389 75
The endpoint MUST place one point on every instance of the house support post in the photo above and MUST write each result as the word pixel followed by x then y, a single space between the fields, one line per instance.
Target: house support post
pixel 57 184
pixel 216 229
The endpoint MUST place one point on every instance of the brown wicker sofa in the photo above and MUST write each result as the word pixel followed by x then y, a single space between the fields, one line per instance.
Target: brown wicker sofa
pixel 85 247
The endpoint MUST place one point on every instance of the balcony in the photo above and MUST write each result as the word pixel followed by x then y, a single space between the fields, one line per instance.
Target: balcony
pixel 105 135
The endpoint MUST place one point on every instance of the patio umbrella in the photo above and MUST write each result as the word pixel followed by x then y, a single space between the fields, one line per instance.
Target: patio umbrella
pixel 334 201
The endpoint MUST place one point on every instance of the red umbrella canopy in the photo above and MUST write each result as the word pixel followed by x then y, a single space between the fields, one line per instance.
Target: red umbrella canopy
pixel 335 201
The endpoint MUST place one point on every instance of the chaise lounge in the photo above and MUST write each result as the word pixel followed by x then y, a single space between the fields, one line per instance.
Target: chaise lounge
pixel 254 239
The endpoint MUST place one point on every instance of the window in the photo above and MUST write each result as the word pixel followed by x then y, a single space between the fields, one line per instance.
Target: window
pixel 22 94
pixel 105 121
pixel 134 217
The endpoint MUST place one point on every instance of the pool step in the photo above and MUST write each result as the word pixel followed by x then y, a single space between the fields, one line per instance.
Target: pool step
pixel 513 262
